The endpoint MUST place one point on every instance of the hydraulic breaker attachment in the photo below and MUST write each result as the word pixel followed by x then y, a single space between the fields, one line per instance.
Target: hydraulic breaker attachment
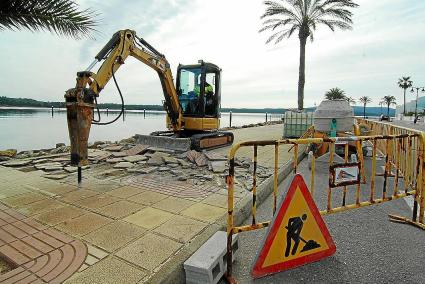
pixel 79 108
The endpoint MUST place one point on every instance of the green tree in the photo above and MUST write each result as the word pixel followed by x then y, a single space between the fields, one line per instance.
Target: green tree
pixel 365 100
pixel 335 94
pixel 59 16
pixel 350 100
pixel 286 17
pixel 404 83
pixel 389 100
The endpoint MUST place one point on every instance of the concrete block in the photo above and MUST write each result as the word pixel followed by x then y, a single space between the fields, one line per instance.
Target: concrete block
pixel 208 263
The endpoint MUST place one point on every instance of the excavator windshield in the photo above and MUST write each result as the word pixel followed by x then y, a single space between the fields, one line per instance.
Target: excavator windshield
pixel 197 90
pixel 190 91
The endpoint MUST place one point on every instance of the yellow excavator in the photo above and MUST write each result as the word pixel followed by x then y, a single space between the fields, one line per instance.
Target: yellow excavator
pixel 192 106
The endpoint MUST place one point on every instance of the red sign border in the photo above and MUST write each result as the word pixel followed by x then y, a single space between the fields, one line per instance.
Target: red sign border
pixel 257 270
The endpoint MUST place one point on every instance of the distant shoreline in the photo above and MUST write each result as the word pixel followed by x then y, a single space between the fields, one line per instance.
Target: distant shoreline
pixel 30 103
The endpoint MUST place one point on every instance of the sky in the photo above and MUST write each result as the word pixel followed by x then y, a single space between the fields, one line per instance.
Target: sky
pixel 386 43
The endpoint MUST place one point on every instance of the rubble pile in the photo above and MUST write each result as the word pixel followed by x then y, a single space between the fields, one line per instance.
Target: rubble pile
pixel 125 158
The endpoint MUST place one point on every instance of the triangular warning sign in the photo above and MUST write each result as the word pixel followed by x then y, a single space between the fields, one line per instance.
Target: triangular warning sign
pixel 297 234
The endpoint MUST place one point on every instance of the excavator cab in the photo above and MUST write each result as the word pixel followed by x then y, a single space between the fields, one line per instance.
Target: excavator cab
pixel 198 88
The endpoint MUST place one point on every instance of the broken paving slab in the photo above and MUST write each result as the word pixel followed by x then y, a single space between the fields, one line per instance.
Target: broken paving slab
pixel 170 160
pixel 114 148
pixel 17 163
pixel 192 155
pixel 163 169
pixel 136 150
pixel 123 165
pixel 218 166
pixel 201 160
pixel 49 166
pixel 71 169
pixel 119 154
pixel 114 160
pixel 214 156
pixel 135 158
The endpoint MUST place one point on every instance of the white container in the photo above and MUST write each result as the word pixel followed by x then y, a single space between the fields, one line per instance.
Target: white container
pixel 335 109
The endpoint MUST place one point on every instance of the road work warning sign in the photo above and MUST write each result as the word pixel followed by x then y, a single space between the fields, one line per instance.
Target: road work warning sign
pixel 297 234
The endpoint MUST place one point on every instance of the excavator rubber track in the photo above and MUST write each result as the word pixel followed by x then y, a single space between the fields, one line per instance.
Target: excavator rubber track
pixel 198 142
pixel 211 140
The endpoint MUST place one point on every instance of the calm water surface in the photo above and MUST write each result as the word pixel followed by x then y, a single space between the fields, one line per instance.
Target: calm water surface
pixel 28 128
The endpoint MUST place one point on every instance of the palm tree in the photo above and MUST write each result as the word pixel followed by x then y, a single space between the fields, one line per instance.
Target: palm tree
pixel 365 100
pixel 388 100
pixel 350 100
pixel 59 16
pixel 404 83
pixel 335 94
pixel 286 17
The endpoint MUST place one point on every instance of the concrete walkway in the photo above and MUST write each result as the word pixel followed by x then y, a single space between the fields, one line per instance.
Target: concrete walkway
pixel 132 232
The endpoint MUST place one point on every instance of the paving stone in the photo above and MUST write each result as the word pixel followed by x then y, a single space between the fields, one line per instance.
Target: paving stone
pixel 23 199
pixel 149 218
pixel 49 166
pixel 98 253
pixel 192 155
pixel 71 169
pixel 170 160
pixel 58 215
pixel 149 251
pixel 108 271
pixel 17 163
pixel 204 212
pixel 155 161
pixel 212 156
pixel 114 160
pixel 135 158
pixel 90 260
pixel 83 224
pixel 12 192
pixel 114 148
pixel 56 176
pixel 218 166
pixel 181 228
pixel 147 197
pixel 163 169
pixel 114 235
pixel 173 204
pixel 97 201
pixel 119 154
pixel 40 206
pixel 125 191
pixel 120 209
pixel 218 200
pixel 123 165
pixel 184 164
pixel 138 149
pixel 147 170
pixel 47 186
pixel 201 160
pixel 78 195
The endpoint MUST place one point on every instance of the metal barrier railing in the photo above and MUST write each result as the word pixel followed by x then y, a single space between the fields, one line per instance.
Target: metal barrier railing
pixel 403 153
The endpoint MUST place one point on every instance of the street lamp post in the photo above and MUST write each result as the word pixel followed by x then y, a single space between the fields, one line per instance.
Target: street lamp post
pixel 417 94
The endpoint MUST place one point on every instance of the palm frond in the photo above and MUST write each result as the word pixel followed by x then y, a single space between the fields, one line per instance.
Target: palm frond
pixel 58 16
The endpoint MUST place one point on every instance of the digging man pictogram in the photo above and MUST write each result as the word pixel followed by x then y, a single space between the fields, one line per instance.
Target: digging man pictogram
pixel 294 227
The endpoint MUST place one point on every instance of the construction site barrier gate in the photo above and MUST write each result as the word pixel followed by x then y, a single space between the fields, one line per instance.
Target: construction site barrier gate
pixel 394 170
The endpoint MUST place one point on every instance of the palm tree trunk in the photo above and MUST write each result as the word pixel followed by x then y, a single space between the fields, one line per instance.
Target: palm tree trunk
pixel 364 111
pixel 404 106
pixel 388 111
pixel 301 79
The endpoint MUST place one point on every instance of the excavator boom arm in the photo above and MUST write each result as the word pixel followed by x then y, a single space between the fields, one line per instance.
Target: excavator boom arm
pixel 123 44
